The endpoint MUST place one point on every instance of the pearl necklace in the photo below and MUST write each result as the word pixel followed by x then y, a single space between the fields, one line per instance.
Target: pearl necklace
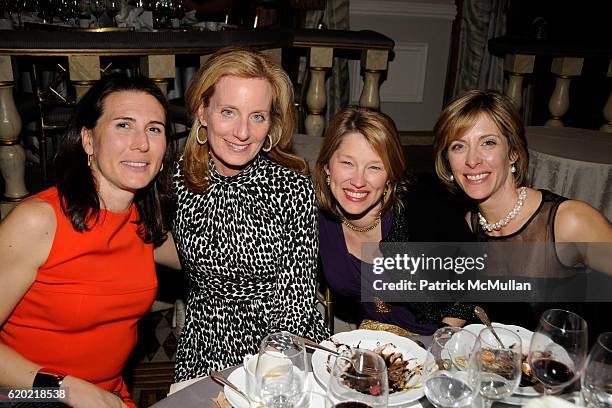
pixel 504 221
pixel 355 228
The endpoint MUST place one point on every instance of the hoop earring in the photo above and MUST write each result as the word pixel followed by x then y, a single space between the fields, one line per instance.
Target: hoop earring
pixel 161 168
pixel 270 147
pixel 89 160
pixel 197 133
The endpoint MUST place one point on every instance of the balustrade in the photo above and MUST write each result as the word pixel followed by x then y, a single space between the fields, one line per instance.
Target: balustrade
pixel 156 52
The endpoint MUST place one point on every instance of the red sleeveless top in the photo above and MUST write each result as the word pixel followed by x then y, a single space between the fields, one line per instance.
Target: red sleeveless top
pixel 80 314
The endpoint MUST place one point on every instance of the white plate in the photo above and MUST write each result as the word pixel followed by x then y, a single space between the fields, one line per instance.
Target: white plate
pixel 525 336
pixel 238 378
pixel 370 339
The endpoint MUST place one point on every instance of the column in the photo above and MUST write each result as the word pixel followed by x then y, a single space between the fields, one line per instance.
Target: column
pixel 320 60
pixel 373 64
pixel 12 155
pixel 564 68
pixel 84 70
pixel 517 66
pixel 159 68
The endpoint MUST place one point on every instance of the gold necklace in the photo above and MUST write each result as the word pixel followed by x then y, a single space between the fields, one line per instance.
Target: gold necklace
pixel 355 228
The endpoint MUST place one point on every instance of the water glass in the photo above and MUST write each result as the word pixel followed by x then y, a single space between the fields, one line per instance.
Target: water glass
pixel 358 379
pixel 451 370
pixel 597 378
pixel 281 370
pixel 499 364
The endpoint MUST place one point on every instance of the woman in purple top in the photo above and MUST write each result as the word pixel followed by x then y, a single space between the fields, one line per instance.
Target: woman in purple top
pixel 359 179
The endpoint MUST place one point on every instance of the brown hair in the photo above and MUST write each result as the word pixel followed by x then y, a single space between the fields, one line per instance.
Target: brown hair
pixel 462 113
pixel 243 63
pixel 380 132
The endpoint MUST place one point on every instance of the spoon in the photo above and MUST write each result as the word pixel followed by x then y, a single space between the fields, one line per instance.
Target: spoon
pixel 220 378
pixel 311 344
pixel 479 311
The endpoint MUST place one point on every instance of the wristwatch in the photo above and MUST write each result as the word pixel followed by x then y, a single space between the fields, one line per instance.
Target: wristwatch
pixel 48 378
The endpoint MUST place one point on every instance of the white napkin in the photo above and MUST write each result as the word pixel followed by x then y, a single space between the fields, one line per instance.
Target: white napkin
pixel 549 402
pixel 182 384
pixel 136 17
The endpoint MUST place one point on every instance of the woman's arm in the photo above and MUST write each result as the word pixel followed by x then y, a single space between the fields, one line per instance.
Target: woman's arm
pixel 297 281
pixel 166 254
pixel 577 221
pixel 26 237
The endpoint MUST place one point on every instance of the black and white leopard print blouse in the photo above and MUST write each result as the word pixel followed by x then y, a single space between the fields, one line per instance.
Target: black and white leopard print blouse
pixel 249 248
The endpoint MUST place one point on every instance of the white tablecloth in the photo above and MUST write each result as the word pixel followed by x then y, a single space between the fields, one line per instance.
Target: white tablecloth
pixel 574 163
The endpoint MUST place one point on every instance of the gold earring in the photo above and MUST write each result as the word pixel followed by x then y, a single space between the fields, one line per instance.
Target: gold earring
pixel 328 180
pixel 89 160
pixel 269 147
pixel 197 134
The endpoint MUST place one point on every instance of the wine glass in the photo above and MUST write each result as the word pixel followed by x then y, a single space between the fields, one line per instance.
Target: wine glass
pixel 112 9
pixel 597 378
pixel 281 370
pixel 358 379
pixel 499 364
pixel 96 7
pixel 558 349
pixel 450 370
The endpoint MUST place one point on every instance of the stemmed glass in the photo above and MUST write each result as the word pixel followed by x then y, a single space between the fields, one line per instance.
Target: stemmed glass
pixel 451 370
pixel 281 370
pixel 597 378
pixel 358 379
pixel 558 349
pixel 499 364
pixel 112 9
pixel 97 9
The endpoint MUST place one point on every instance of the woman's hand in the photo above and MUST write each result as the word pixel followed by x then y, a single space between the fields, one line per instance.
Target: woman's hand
pixel 83 394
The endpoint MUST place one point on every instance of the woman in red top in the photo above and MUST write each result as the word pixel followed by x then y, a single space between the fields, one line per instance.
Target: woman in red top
pixel 77 266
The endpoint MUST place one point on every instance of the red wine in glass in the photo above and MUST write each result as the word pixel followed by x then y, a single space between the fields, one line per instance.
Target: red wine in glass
pixel 551 372
pixel 352 404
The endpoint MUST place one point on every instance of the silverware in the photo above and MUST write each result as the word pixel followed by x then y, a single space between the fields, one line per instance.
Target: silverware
pixel 479 311
pixel 311 344
pixel 220 378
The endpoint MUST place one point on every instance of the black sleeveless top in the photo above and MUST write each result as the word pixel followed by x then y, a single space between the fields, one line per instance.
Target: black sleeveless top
pixel 537 261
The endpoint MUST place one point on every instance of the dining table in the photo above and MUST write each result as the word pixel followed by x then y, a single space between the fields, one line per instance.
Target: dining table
pixel 572 162
pixel 202 393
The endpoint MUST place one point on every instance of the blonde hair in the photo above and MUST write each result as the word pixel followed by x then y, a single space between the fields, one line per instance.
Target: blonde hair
pixel 462 113
pixel 381 133
pixel 244 63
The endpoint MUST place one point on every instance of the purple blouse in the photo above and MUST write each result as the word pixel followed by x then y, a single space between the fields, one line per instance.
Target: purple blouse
pixel 342 271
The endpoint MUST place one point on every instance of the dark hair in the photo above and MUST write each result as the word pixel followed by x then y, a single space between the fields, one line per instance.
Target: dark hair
pixel 75 183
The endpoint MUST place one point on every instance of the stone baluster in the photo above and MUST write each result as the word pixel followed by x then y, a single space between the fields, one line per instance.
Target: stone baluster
pixel 373 64
pixel 159 68
pixel 517 66
pixel 12 155
pixel 607 110
pixel 84 71
pixel 320 60
pixel 564 68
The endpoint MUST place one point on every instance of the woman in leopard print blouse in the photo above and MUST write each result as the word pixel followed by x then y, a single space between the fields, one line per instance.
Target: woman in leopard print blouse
pixel 246 229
